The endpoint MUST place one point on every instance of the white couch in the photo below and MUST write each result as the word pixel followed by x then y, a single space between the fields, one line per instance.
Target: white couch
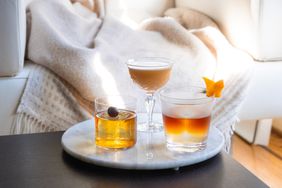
pixel 251 25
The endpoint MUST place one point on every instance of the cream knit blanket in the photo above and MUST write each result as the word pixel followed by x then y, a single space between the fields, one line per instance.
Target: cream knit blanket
pixel 79 57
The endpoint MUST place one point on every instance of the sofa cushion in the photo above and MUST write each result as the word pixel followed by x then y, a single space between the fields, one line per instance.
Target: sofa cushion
pixel 11 90
pixel 251 25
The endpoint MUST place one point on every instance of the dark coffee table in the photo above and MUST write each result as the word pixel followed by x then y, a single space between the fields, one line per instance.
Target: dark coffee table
pixel 38 160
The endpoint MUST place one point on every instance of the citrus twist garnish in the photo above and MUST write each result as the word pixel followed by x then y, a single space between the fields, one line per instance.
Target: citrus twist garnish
pixel 213 89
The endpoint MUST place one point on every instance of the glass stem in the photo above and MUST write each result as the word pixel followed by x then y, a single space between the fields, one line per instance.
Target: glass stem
pixel 150 104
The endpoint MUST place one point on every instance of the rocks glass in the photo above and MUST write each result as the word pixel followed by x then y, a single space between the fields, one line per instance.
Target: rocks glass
pixel 115 122
pixel 186 115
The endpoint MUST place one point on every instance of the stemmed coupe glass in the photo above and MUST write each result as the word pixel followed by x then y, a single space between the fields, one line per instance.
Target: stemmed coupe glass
pixel 150 74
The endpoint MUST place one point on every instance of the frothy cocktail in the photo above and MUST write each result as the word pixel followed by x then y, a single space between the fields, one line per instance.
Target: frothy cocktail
pixel 150 74
pixel 150 78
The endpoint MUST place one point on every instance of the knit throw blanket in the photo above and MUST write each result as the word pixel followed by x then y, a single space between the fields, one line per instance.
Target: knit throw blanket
pixel 77 57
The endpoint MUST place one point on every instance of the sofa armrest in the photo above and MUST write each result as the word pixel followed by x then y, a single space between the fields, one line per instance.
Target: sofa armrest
pixel 263 100
pixel 12 36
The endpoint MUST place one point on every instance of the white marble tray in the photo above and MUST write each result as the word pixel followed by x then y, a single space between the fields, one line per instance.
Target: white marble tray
pixel 79 142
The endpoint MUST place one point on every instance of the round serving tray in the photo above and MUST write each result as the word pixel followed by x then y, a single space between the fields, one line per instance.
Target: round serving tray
pixel 79 142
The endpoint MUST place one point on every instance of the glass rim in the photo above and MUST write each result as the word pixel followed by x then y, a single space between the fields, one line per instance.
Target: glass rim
pixel 167 62
pixel 101 99
pixel 186 100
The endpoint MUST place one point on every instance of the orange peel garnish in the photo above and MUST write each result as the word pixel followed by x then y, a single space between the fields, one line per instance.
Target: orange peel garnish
pixel 213 89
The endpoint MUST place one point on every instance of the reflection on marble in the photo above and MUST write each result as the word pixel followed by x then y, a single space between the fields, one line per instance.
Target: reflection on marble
pixel 79 142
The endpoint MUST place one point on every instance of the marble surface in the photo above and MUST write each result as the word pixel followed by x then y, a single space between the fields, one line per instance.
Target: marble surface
pixel 79 142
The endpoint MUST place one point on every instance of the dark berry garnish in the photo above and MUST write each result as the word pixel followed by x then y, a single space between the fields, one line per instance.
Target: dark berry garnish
pixel 113 112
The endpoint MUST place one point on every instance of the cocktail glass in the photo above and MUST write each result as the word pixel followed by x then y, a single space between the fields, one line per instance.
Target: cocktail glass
pixel 150 74
pixel 115 122
pixel 186 116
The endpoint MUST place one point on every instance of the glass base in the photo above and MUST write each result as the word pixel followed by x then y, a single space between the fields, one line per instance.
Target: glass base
pixel 153 128
pixel 186 148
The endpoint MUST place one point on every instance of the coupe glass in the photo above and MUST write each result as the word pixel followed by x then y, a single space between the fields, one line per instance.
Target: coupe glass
pixel 150 74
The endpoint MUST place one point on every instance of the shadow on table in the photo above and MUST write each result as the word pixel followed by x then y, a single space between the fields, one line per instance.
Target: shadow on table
pixel 206 173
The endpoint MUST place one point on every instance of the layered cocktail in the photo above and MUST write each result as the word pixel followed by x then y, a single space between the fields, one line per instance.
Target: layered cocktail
pixel 186 116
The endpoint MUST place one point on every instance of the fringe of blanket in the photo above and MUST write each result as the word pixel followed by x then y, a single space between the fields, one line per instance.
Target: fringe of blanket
pixel 24 124
pixel 228 132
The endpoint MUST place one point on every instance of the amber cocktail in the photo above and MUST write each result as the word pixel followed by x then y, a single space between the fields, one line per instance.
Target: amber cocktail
pixel 198 127
pixel 150 74
pixel 115 122
pixel 186 116
pixel 150 78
